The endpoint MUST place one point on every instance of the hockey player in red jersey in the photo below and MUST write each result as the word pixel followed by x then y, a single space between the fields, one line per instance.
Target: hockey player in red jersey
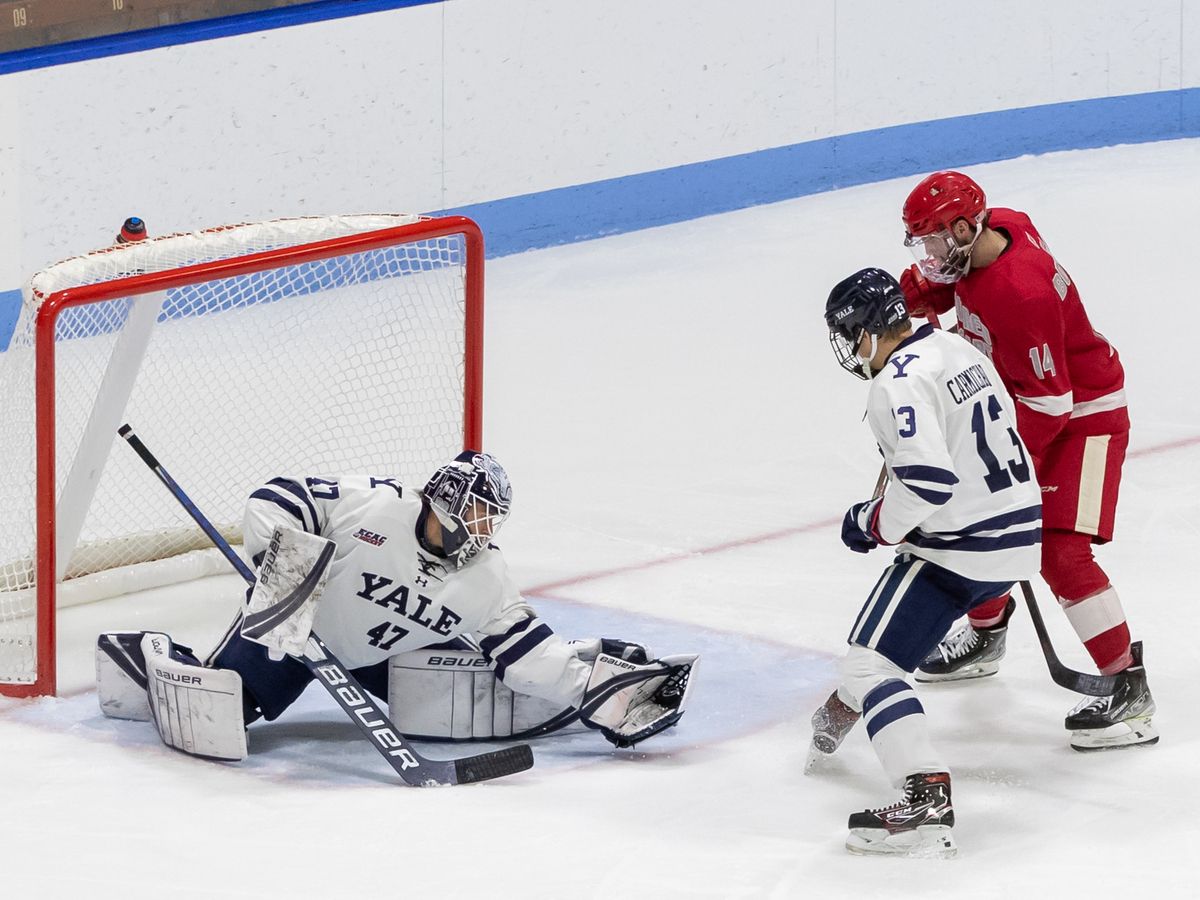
pixel 1019 306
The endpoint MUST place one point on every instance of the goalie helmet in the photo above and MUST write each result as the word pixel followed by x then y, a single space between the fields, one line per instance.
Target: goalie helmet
pixel 470 498
pixel 868 303
pixel 929 214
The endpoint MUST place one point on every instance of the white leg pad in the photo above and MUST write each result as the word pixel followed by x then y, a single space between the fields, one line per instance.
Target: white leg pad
pixel 197 710
pixel 454 695
pixel 121 676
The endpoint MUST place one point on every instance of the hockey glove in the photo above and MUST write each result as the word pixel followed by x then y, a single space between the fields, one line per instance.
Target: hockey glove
pixel 923 297
pixel 860 527
pixel 628 702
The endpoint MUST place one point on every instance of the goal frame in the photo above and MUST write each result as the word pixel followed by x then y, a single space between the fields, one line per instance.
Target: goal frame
pixel 46 680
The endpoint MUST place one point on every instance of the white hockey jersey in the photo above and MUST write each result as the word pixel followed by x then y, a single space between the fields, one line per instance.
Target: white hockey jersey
pixel 963 493
pixel 385 595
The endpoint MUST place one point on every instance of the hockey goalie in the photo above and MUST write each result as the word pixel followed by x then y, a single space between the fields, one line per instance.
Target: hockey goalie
pixel 407 589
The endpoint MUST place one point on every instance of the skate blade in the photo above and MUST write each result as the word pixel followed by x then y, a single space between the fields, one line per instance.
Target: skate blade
pixel 1135 732
pixel 982 670
pixel 926 842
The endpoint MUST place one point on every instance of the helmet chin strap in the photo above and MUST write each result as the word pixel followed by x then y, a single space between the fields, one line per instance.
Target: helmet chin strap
pixel 866 363
pixel 964 250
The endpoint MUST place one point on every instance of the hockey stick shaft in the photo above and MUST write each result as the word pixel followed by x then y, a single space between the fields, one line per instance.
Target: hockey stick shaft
pixel 344 688
pixel 1079 682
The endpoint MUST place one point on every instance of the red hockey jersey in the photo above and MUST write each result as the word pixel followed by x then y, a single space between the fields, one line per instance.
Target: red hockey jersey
pixel 1024 312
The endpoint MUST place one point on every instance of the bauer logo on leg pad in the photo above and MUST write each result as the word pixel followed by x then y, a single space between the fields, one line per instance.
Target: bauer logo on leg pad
pixel 197 710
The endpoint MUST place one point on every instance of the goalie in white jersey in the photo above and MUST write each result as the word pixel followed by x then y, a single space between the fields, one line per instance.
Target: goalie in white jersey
pixel 411 570
pixel 964 513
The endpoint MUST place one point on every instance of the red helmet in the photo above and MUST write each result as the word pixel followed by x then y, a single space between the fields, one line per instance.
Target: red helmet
pixel 940 200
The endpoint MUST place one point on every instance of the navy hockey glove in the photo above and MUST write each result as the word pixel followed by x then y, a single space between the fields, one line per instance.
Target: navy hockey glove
pixel 859 528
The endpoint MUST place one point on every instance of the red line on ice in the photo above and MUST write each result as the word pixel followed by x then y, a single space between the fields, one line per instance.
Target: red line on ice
pixel 776 535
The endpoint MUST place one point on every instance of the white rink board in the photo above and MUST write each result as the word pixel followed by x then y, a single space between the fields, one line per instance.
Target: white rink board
pixel 441 105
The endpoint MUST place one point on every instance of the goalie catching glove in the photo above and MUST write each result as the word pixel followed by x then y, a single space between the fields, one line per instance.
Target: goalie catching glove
pixel 629 701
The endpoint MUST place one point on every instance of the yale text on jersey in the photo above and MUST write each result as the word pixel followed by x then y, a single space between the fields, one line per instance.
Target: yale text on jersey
pixel 397 600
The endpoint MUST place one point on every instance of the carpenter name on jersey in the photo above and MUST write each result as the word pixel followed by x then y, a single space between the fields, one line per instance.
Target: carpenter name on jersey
pixel 963 492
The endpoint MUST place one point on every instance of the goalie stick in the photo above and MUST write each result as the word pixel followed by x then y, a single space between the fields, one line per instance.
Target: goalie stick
pixel 412 767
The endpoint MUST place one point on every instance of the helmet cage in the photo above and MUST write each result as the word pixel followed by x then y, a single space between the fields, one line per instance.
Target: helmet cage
pixel 845 348
pixel 471 498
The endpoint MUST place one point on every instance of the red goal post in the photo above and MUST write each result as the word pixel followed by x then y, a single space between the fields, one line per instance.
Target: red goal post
pixel 318 345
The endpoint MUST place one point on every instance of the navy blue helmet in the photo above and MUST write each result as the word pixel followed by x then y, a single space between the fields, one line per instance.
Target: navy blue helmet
pixel 869 303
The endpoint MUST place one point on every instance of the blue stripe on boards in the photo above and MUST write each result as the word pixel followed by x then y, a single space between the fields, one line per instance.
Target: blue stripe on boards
pixel 191 32
pixel 10 308
pixel 259 288
pixel 910 707
pixel 877 695
pixel 662 197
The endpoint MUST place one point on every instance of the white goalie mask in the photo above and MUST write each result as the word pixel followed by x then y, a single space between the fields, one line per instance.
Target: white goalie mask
pixel 471 498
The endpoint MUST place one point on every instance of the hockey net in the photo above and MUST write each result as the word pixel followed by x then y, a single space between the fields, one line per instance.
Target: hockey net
pixel 310 346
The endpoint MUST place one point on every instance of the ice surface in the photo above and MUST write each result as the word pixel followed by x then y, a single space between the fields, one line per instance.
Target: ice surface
pixel 682 445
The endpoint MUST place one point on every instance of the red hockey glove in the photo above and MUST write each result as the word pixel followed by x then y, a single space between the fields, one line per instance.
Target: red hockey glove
pixel 923 296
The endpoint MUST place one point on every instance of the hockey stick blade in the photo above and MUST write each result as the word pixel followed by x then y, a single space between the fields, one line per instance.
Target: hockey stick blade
pixel 1079 682
pixel 410 765
pixel 413 768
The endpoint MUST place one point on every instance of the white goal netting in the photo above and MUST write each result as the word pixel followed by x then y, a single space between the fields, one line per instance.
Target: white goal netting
pixel 352 363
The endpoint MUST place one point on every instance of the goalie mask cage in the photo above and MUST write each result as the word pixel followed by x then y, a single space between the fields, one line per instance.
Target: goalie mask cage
pixel 309 346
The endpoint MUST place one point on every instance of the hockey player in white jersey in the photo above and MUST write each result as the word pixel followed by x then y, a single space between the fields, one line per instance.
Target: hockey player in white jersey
pixel 964 513
pixel 410 570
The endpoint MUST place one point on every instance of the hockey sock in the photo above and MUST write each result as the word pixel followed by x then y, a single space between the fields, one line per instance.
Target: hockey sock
pixel 899 732
pixel 1100 623
pixel 1089 600
pixel 988 614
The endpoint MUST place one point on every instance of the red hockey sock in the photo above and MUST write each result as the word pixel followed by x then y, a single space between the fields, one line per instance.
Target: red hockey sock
pixel 1090 602
pixel 988 614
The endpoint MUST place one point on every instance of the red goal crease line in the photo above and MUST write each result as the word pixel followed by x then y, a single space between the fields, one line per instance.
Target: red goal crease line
pixel 780 534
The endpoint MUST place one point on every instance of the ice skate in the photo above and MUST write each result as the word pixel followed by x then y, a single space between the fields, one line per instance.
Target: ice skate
pixel 1122 719
pixel 832 721
pixel 920 825
pixel 967 653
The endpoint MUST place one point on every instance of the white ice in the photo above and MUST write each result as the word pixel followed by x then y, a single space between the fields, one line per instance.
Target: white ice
pixel 682 446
